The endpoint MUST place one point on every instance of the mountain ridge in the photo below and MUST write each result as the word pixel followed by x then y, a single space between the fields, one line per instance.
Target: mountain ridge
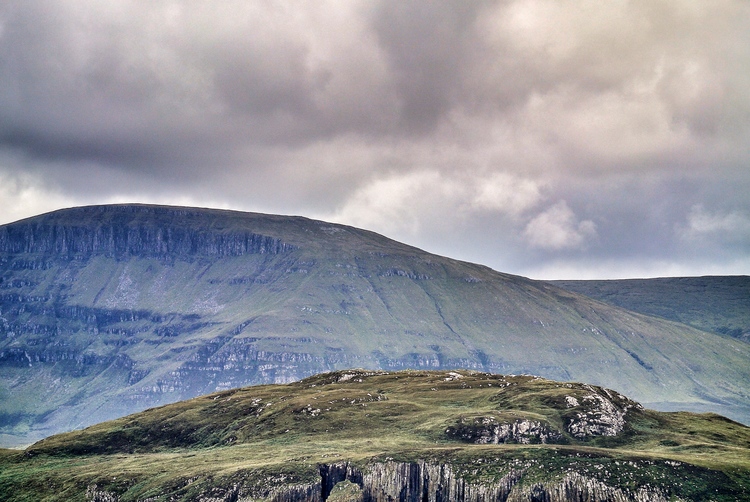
pixel 123 307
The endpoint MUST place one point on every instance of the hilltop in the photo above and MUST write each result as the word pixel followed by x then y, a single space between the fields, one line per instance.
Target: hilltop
pixel 108 310
pixel 375 435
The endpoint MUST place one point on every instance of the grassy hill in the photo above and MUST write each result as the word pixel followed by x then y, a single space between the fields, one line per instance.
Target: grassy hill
pixel 720 304
pixel 411 435
pixel 108 310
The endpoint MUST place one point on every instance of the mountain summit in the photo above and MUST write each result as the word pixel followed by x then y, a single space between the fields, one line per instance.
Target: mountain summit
pixel 107 310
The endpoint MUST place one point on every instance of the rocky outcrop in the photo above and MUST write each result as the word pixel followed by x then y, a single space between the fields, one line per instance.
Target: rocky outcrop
pixel 491 430
pixel 95 494
pixel 598 413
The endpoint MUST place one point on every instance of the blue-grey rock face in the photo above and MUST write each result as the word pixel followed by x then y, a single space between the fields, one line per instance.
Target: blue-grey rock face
pixel 121 231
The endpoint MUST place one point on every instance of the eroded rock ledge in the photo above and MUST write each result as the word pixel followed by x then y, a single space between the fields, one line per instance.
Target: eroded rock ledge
pixel 420 482
pixel 426 482
pixel 118 231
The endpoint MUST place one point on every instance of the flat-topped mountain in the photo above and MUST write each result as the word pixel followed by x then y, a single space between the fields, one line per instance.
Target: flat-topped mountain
pixel 107 310
pixel 370 436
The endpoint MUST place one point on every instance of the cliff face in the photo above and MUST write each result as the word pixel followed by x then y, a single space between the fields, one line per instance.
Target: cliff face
pixel 114 233
pixel 423 482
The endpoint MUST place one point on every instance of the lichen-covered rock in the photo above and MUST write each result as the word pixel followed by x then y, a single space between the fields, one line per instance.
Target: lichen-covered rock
pixel 95 494
pixel 598 413
pixel 491 430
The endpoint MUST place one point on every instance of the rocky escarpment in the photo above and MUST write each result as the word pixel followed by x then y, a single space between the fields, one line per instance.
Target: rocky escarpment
pixel 418 482
pixel 115 233
pixel 415 481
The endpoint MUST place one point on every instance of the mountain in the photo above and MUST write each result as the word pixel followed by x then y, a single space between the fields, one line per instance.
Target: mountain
pixel 108 310
pixel 355 435
pixel 717 304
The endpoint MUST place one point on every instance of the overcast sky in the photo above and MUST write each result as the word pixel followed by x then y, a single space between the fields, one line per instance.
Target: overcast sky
pixel 552 139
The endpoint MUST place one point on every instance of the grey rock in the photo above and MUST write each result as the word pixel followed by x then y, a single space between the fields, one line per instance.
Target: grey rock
pixel 599 413
pixel 491 430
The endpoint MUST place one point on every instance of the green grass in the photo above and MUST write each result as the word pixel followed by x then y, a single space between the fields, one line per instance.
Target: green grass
pixel 260 437
pixel 716 304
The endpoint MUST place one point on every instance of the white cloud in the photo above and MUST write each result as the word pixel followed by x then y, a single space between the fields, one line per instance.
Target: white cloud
pixel 23 196
pixel 426 200
pixel 557 228
pixel 399 203
pixel 622 125
pixel 506 193
pixel 732 226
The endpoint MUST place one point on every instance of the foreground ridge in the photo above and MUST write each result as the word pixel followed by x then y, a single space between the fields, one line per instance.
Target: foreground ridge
pixel 359 435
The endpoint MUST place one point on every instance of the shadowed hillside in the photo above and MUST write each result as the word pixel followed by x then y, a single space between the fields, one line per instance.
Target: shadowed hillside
pixel 112 309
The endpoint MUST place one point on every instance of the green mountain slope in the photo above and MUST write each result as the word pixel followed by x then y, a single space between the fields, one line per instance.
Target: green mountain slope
pixel 720 304
pixel 108 310
pixel 376 436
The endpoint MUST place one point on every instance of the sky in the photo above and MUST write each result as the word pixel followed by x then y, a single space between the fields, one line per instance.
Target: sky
pixel 555 139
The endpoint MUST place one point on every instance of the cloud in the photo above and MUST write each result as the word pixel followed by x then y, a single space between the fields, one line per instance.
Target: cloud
pixel 557 228
pixel 396 204
pixel 704 225
pixel 511 125
pixel 24 196
pixel 421 201
pixel 506 193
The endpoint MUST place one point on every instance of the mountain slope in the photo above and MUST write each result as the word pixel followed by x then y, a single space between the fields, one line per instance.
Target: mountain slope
pixel 378 436
pixel 720 304
pixel 107 310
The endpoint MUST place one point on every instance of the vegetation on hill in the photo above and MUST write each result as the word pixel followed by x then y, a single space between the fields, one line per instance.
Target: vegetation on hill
pixel 362 435
pixel 109 310
pixel 720 304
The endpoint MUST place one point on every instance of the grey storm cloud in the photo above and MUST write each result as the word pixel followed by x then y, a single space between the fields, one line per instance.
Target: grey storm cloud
pixel 548 138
